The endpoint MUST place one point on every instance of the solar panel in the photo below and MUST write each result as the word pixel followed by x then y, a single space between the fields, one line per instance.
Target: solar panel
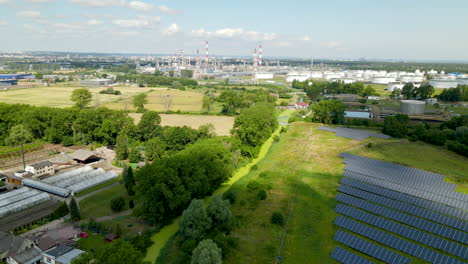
pixel 407 219
pixel 404 231
pixel 414 210
pixel 407 190
pixel 394 242
pixel 370 249
pixel 346 257
pixel 353 133
pixel 441 208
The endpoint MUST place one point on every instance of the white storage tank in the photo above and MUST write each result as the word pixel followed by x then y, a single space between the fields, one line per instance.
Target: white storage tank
pixel 412 107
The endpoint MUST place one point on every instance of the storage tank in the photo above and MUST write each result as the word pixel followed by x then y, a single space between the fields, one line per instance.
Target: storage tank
pixel 444 84
pixel 412 107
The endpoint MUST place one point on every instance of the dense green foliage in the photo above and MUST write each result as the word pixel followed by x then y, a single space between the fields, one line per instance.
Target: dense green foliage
pixel 60 211
pixel 154 81
pixel 453 133
pixel 81 97
pixel 117 252
pixel 110 90
pixel 455 94
pixel 277 218
pixel 195 221
pixel 234 101
pixel 316 89
pixel 168 185
pixel 117 204
pixel 74 210
pixel 409 91
pixel 254 126
pixel 129 180
pixel 220 213
pixel 149 125
pixel 329 112
pixel 207 252
pixel 139 101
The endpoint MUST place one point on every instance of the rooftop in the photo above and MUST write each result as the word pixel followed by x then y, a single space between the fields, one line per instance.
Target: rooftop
pixel 82 154
pixel 68 257
pixel 58 251
pixel 41 165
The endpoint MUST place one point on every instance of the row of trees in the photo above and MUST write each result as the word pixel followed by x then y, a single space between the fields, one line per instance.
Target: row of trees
pixel 454 94
pixel 453 133
pixel 317 89
pixel 154 81
pixel 234 101
pixel 409 91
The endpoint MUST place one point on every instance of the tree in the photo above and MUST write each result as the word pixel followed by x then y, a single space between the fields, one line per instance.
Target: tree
pixel 118 230
pixel 74 210
pixel 396 126
pixel 39 75
pixel 104 75
pixel 176 84
pixel 396 93
pixel 119 252
pixel 186 74
pixel 408 91
pixel 195 222
pixel 81 97
pixel 277 218
pixel 207 252
pixel 171 73
pixel 329 112
pixel 117 204
pixel 368 91
pixel 155 148
pixel 139 101
pixel 19 135
pixel 219 212
pixel 149 125
pixel 60 211
pixel 425 91
pixel 134 156
pixel 121 148
pixel 129 181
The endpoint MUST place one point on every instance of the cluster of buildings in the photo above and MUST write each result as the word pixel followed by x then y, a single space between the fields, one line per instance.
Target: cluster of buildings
pixel 12 79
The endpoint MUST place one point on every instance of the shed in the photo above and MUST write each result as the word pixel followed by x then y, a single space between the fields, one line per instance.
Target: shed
pixel 111 237
pixel 84 156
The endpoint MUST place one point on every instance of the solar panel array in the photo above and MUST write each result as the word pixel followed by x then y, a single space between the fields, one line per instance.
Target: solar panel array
pixel 21 199
pixel 346 257
pixel 417 205
pixel 73 181
pixel 370 249
pixel 353 133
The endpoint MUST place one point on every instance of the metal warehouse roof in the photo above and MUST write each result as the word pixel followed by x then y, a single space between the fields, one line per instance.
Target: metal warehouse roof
pixel 41 165
pixel 82 154
pixel 46 187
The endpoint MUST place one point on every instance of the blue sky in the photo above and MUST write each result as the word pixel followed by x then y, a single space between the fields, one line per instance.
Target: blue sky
pixel 390 29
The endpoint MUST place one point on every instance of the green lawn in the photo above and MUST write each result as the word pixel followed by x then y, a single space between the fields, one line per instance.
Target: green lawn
pixel 98 187
pixel 93 243
pixel 99 204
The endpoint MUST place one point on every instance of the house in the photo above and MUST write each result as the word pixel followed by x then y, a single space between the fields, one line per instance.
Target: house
pixel 17 250
pixel 46 243
pixel 84 156
pixel 41 168
pixel 110 237
pixel 61 255
pixel 303 106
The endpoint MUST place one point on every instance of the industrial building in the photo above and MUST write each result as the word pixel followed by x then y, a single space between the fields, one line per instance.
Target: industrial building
pixel 264 76
pixel 96 82
pixel 16 76
pixel 413 107
pixel 444 84
pixel 5 83
pixel 40 169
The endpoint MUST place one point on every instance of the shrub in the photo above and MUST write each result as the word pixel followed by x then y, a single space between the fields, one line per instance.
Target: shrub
pixel 117 204
pixel 276 138
pixel 369 145
pixel 131 204
pixel 253 185
pixel 283 130
pixel 277 218
pixel 262 195
pixel 230 196
pixel 254 167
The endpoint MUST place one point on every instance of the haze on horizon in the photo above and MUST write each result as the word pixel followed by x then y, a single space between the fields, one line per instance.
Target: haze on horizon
pixel 409 30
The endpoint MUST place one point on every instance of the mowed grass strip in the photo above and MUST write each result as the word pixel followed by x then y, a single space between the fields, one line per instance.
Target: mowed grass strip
pixel 98 205
pixel 222 124
pixel 56 96
pixel 161 99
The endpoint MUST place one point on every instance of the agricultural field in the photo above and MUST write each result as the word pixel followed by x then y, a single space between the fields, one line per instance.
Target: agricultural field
pixel 304 164
pixel 59 96
pixel 161 99
pixel 222 124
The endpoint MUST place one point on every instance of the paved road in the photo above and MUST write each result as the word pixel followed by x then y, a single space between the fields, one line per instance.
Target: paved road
pixel 92 193
pixel 110 217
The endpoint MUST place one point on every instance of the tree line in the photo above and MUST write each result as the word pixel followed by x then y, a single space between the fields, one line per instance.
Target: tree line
pixel 317 89
pixel 154 81
pixel 454 94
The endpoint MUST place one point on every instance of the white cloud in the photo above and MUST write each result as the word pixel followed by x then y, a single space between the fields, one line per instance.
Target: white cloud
pixel 93 22
pixel 99 3
pixel 306 38
pixel 39 1
pixel 3 23
pixel 166 9
pixel 229 33
pixel 138 22
pixel 140 6
pixel 29 14
pixel 4 2
pixel 171 30
pixel 66 26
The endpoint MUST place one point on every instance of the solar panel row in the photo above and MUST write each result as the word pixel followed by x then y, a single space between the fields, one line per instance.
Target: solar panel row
pixel 423 180
pixel 408 190
pixel 404 231
pixel 441 208
pixel 414 210
pixel 395 242
pixel 410 220
pixel 370 249
pixel 346 257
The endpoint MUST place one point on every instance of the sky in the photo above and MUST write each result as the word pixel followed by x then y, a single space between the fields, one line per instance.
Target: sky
pixel 373 29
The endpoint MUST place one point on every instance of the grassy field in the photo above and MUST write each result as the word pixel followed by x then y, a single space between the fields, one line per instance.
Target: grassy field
pixel 161 99
pixel 99 204
pixel 222 124
pixel 56 96
pixel 306 162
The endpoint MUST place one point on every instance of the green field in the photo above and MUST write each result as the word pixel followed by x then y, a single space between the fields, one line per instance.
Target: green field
pixel 98 205
pixel 59 96
pixel 306 162
pixel 161 99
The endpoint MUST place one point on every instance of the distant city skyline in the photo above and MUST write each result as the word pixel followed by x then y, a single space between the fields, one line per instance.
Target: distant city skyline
pixel 416 30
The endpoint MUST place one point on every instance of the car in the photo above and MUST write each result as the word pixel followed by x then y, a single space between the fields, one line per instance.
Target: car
pixel 84 234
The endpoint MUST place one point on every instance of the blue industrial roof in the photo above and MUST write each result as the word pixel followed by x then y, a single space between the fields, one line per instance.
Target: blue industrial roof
pixel 14 76
pixel 455 73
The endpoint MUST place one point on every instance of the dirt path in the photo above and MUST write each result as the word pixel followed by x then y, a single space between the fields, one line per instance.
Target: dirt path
pixel 93 193
pixel 110 217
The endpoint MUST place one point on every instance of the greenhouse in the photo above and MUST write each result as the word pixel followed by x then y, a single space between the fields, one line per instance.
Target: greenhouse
pixel 21 200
